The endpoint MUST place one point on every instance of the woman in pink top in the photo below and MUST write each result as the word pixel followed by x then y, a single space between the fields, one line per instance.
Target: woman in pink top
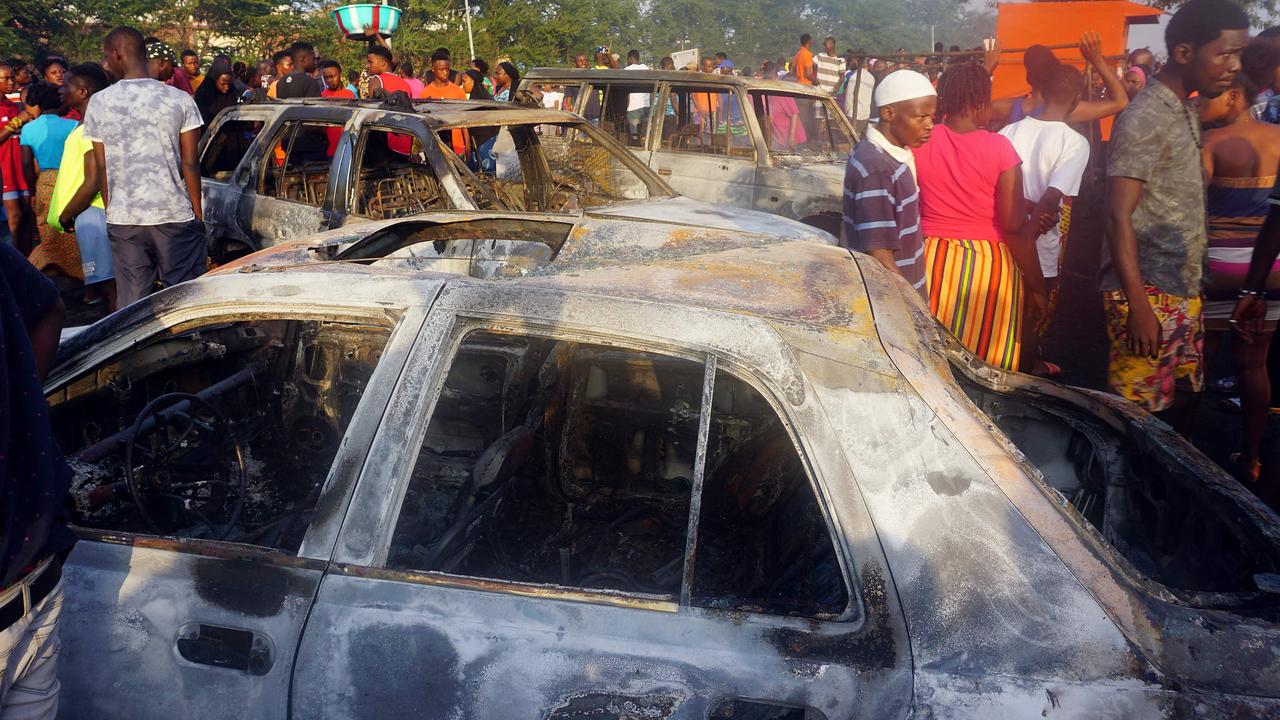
pixel 977 259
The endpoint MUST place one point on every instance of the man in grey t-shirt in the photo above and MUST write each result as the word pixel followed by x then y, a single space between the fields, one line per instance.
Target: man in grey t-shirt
pixel 1156 230
pixel 145 134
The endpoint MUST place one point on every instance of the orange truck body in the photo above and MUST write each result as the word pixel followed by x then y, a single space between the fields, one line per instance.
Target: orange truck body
pixel 1020 25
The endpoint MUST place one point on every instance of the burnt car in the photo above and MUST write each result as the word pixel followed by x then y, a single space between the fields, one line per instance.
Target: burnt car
pixel 779 147
pixel 487 467
pixel 279 171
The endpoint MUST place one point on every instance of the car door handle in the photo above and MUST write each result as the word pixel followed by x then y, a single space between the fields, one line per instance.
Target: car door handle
pixel 225 647
pixel 664 171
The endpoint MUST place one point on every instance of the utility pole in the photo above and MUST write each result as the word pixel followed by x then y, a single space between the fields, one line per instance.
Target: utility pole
pixel 471 41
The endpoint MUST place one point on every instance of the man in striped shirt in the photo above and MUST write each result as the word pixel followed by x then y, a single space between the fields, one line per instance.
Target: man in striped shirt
pixel 881 200
pixel 830 66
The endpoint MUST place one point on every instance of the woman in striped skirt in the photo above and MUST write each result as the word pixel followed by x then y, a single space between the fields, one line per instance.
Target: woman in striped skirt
pixel 981 268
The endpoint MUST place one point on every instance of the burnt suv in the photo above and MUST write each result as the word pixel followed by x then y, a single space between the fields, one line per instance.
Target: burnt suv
pixel 774 146
pixel 278 171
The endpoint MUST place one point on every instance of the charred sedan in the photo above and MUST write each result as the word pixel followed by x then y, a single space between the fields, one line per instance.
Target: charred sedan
pixel 540 477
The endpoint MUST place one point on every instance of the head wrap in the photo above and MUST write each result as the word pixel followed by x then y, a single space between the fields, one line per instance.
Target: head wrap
pixel 159 51
pixel 902 85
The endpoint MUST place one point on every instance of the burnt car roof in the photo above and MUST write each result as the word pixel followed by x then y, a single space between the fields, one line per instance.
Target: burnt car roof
pixel 812 284
pixel 436 113
pixel 683 77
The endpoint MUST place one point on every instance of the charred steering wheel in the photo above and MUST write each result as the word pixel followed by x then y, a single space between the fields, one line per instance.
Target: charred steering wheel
pixel 181 443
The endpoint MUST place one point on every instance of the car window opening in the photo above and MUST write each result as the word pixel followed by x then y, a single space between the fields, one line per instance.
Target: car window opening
pixel 572 464
pixel 393 183
pixel 763 543
pixel 705 121
pixel 622 111
pixel 525 168
pixel 225 150
pixel 1163 520
pixel 297 167
pixel 282 391
pixel 803 127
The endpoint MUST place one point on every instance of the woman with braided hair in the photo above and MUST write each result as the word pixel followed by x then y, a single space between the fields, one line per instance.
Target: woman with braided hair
pixel 980 266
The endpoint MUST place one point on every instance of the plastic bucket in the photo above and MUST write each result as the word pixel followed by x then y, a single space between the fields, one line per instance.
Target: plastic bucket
pixel 360 22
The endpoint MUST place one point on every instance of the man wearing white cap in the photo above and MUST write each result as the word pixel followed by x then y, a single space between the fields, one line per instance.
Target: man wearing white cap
pixel 881 200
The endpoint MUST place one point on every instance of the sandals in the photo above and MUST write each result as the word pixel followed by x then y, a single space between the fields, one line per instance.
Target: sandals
pixel 1047 369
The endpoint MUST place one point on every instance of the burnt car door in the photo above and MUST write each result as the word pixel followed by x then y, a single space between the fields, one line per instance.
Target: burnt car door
pixel 590 523
pixel 702 144
pixel 214 453
pixel 808 141
pixel 293 193
pixel 396 171
pixel 226 159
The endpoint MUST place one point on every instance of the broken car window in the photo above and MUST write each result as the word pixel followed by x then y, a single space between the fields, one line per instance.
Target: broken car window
pixel 705 120
pixel 566 173
pixel 1167 522
pixel 763 543
pixel 392 184
pixel 550 461
pixel 223 153
pixel 296 167
pixel 621 110
pixel 222 432
pixel 801 126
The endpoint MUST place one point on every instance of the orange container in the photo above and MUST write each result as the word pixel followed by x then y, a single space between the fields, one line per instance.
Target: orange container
pixel 1020 25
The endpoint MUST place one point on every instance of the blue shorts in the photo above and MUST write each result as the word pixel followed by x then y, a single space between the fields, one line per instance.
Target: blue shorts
pixel 95 246
pixel 15 194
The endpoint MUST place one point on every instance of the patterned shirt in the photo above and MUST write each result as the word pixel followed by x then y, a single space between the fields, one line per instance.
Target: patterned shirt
pixel 881 208
pixel 139 123
pixel 1156 141
pixel 830 71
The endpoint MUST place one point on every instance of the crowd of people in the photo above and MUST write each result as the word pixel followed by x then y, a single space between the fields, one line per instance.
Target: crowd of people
pixel 968 197
pixel 51 170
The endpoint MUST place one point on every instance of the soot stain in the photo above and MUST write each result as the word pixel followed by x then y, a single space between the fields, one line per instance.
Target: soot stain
pixel 944 484
pixel 245 587
pixel 404 671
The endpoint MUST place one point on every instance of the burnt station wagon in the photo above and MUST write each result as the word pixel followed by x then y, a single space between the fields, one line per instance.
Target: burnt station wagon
pixel 773 146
